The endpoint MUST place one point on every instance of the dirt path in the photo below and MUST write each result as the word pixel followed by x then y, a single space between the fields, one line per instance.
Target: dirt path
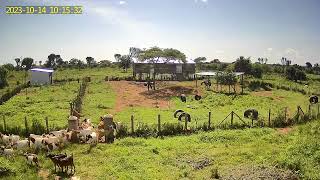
pixel 285 130
pixel 134 94
pixel 130 94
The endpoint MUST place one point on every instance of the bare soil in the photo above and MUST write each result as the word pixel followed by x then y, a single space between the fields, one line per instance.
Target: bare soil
pixel 285 130
pixel 135 94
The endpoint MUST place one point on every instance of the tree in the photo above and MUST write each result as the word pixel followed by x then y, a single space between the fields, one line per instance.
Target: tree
pixel 51 62
pixel 256 71
pixel 285 61
pixel 309 65
pixel 105 63
pixel 243 65
pixel 3 77
pixel 227 78
pixel 117 57
pixel 200 60
pixel 9 67
pixel 17 60
pixel 174 55
pixel 27 62
pixel 40 63
pixel 59 61
pixel 295 74
pixel 262 60
pixel 90 61
pixel 74 62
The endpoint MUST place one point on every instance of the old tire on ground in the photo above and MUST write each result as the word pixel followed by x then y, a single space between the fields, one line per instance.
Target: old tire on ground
pixel 314 99
pixel 175 115
pixel 186 116
pixel 251 113
pixel 197 97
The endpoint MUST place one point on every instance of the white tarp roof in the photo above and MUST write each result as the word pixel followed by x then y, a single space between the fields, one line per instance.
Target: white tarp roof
pixel 212 73
pixel 42 70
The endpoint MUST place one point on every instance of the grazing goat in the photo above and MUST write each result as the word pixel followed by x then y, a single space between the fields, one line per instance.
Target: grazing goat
pixel 92 138
pixel 14 138
pixel 207 83
pixel 6 152
pixel 66 162
pixel 183 98
pixel 22 144
pixel 55 158
pixel 32 158
pixel 5 139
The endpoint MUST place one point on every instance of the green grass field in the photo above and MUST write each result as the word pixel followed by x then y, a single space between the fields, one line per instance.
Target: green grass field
pixel 178 157
pixel 94 73
pixel 40 102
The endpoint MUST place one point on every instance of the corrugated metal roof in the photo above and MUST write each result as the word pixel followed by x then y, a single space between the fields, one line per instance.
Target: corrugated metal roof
pixel 212 73
pixel 42 70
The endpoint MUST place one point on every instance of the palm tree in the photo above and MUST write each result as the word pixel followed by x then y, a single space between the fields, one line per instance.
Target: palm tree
pixel 18 60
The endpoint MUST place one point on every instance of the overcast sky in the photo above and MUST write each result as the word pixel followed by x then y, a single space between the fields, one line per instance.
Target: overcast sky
pixel 223 29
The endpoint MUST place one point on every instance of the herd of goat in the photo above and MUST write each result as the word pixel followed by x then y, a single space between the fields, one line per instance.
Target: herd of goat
pixel 12 145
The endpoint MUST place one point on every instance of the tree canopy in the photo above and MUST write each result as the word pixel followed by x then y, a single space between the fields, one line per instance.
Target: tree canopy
pixel 27 62
pixel 243 65
pixel 3 77
pixel 155 54
pixel 200 60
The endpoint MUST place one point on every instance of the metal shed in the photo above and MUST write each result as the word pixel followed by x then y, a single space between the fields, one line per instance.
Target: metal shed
pixel 164 71
pixel 41 76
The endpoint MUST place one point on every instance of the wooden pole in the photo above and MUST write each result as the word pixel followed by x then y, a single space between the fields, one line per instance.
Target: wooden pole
pixel 232 118
pixel 309 109
pixel 186 125
pixel 159 125
pixel 196 81
pixel 132 125
pixel 241 83
pixel 47 125
pixel 269 118
pixel 108 129
pixel 209 120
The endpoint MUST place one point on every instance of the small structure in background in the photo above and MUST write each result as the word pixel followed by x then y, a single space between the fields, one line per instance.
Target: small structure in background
pixel 164 71
pixel 41 76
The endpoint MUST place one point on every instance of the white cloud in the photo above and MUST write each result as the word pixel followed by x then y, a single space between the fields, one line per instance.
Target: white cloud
pixel 204 1
pixel 122 2
pixel 219 51
pixel 269 49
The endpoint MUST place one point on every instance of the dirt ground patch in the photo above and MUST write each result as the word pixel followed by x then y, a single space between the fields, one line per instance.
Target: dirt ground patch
pixel 267 94
pixel 285 130
pixel 135 94
pixel 130 94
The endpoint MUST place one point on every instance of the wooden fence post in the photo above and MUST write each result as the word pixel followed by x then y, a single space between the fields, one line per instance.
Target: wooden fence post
pixel 47 125
pixel 159 125
pixel 186 125
pixel 4 124
pixel 209 120
pixel 269 118
pixel 26 126
pixel 132 125
pixel 108 133
pixel 309 109
pixel 232 118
